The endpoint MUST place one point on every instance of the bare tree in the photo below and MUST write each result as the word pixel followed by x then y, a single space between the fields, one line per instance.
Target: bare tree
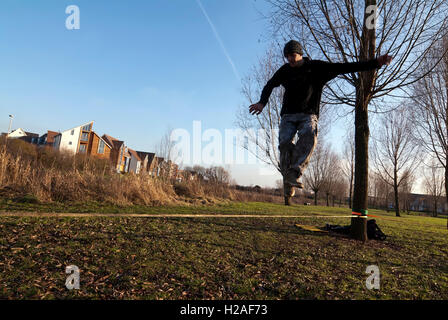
pixel 434 184
pixel 200 171
pixel 346 31
pixel 380 192
pixel 430 107
pixel 348 163
pixel 166 148
pixel 332 176
pixel 375 190
pixel 279 185
pixel 340 190
pixel 395 153
pixel 318 169
pixel 217 175
pixel 405 190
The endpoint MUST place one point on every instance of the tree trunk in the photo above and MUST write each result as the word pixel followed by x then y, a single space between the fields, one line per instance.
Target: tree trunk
pixel 435 208
pixel 328 203
pixel 446 158
pixel 315 198
pixel 446 187
pixel 351 191
pixel 359 224
pixel 397 204
pixel 364 86
pixel 387 202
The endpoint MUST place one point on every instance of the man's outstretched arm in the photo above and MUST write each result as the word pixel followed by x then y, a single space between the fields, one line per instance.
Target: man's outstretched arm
pixel 275 81
pixel 332 70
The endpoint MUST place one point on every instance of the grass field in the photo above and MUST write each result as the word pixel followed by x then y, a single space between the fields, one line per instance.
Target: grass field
pixel 216 258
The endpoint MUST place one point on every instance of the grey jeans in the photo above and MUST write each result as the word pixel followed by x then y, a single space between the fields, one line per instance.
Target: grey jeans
pixel 296 156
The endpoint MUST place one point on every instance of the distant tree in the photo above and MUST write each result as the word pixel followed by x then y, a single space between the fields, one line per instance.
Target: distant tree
pixel 396 155
pixel 348 163
pixel 166 148
pixel 218 175
pixel 200 171
pixel 340 190
pixel 318 169
pixel 405 190
pixel 433 182
pixel 380 191
pixel 430 106
pixel 332 176
pixel 279 185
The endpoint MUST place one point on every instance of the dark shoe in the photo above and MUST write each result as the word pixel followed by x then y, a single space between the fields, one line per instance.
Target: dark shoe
pixel 296 184
pixel 292 179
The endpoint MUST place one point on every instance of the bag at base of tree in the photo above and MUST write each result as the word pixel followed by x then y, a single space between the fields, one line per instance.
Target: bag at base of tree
pixel 374 232
pixel 338 229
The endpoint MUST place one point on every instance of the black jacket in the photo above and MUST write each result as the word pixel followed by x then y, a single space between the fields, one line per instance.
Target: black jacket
pixel 304 83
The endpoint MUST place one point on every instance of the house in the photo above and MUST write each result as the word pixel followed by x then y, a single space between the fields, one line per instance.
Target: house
pixel 81 139
pixel 418 202
pixel 190 175
pixel 47 139
pixel 174 171
pixel 182 175
pixel 148 161
pixel 98 147
pixel 414 202
pixel 160 167
pixel 424 202
pixel 15 134
pixel 167 168
pixel 153 164
pixel 119 154
pixel 21 134
pixel 135 163
pixel 74 140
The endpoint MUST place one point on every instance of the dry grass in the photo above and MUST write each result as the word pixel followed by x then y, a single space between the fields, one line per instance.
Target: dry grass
pixel 52 176
pixel 46 175
pixel 211 192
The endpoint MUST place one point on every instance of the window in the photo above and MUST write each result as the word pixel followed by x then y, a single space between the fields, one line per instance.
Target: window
pixel 126 166
pixel 57 141
pixel 121 155
pixel 87 127
pixel 70 143
pixel 101 147
pixel 85 136
pixel 82 148
pixel 73 132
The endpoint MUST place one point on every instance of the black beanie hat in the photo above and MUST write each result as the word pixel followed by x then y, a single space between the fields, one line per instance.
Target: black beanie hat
pixel 293 46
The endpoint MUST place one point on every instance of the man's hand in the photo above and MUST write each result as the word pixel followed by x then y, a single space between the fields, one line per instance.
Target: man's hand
pixel 256 108
pixel 384 60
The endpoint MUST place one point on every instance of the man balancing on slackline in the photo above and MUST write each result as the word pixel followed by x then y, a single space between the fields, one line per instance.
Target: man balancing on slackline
pixel 303 80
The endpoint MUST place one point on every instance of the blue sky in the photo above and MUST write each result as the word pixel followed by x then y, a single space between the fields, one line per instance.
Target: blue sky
pixel 135 67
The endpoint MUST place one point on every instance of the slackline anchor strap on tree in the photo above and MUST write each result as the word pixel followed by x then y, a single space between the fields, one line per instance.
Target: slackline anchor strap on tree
pixel 361 214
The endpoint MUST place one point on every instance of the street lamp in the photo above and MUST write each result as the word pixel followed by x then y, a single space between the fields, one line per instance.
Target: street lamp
pixel 10 123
